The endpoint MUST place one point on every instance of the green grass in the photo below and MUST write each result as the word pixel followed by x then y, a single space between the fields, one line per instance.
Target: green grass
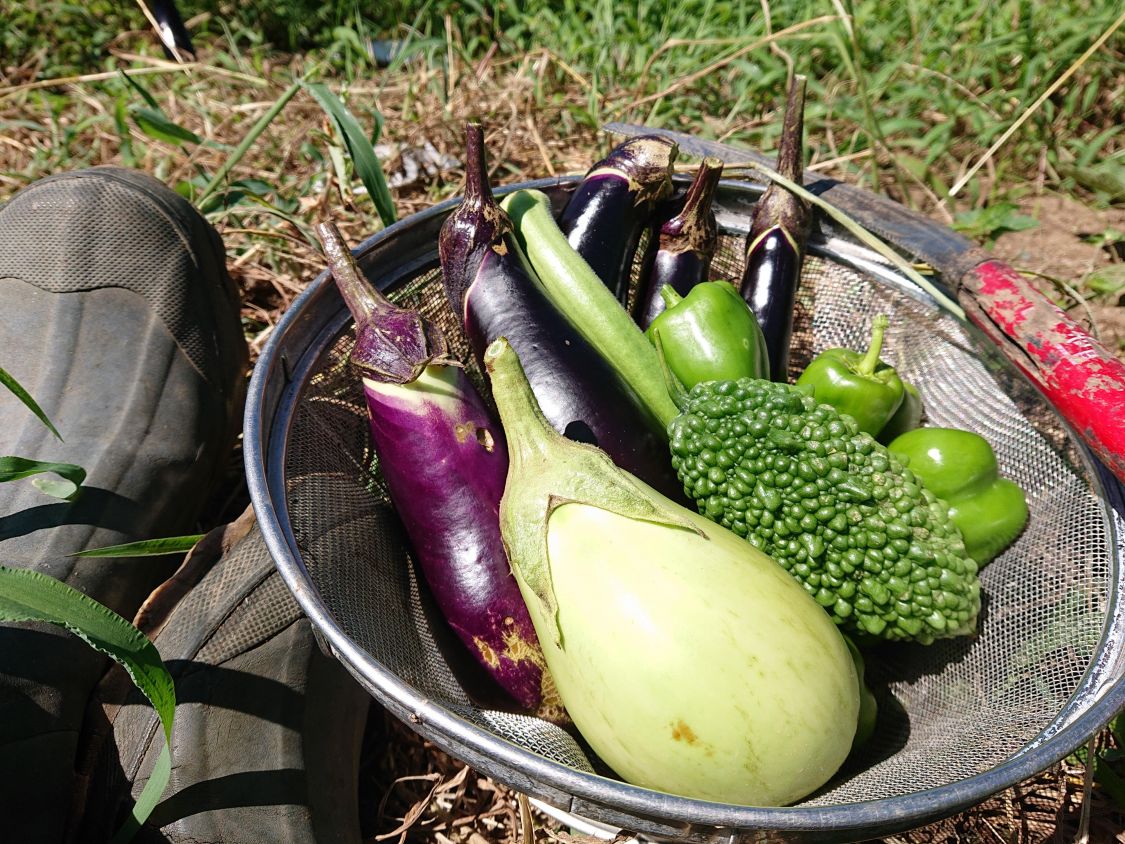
pixel 920 89
pixel 905 100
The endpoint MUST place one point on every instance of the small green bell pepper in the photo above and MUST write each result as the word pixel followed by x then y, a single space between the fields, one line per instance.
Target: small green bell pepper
pixel 709 335
pixel 959 467
pixel 855 383
pixel 907 417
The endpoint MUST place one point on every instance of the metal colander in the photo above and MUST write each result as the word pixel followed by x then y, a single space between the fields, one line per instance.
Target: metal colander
pixel 958 720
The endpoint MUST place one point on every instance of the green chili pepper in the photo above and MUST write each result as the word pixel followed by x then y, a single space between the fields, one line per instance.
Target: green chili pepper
pixel 959 467
pixel 857 384
pixel 906 418
pixel 709 335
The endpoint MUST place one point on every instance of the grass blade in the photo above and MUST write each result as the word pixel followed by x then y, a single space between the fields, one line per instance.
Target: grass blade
pixel 27 595
pixel 156 125
pixel 863 235
pixel 144 548
pixel 255 132
pixel 366 163
pixel 16 468
pixel 9 381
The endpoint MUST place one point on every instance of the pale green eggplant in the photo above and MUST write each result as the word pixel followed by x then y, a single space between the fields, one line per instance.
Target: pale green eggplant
pixel 691 662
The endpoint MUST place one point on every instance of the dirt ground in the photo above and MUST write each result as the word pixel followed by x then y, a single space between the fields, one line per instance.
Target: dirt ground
pixel 1059 249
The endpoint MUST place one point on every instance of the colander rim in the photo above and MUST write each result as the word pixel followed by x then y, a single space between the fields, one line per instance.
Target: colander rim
pixel 876 816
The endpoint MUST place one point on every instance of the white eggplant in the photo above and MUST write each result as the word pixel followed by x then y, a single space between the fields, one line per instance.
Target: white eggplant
pixel 691 662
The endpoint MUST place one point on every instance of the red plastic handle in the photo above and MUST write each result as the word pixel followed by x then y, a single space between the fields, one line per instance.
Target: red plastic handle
pixel 1078 375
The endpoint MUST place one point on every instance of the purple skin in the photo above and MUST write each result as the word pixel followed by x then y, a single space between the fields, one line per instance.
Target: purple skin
pixel 776 243
pixel 686 245
pixel 445 461
pixel 612 206
pixel 490 284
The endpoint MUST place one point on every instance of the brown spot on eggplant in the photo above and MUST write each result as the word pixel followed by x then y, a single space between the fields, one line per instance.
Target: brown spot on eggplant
pixel 487 654
pixel 484 437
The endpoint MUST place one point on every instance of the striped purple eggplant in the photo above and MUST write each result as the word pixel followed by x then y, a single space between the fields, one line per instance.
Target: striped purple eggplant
pixel 685 245
pixel 779 228
pixel 444 459
pixel 491 286
pixel 612 206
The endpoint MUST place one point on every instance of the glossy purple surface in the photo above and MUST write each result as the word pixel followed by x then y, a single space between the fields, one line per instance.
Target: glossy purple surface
pixel 611 208
pixel 490 284
pixel 445 461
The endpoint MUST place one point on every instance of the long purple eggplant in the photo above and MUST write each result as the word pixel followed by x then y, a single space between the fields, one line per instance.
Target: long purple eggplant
pixel 445 461
pixel 612 206
pixel 779 229
pixel 685 245
pixel 494 290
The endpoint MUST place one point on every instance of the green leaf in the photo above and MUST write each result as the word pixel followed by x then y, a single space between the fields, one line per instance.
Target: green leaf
pixel 144 548
pixel 990 222
pixel 364 160
pixel 1107 281
pixel 1107 178
pixel 27 595
pixel 16 468
pixel 156 125
pixel 24 396
pixel 139 89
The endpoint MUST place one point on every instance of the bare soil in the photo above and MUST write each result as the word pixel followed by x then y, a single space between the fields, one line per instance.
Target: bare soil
pixel 1060 251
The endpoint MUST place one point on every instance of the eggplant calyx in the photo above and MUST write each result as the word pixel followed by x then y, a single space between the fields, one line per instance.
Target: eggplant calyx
pixel 476 225
pixel 645 162
pixel 694 228
pixel 393 345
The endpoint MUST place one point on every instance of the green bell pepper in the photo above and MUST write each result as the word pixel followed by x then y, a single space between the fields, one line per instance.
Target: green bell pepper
pixel 907 417
pixel 855 383
pixel 959 467
pixel 709 335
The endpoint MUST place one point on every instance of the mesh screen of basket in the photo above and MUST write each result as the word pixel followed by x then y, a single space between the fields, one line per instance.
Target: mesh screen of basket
pixel 947 711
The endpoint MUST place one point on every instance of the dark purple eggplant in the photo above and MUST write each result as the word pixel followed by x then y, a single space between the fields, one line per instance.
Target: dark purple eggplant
pixel 775 250
pixel 612 206
pixel 171 30
pixel 444 459
pixel 685 245
pixel 494 290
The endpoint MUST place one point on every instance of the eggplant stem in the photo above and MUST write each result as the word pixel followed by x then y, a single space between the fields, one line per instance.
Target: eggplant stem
pixel 701 191
pixel 790 151
pixel 871 359
pixel 362 299
pixel 477 187
pixel 864 236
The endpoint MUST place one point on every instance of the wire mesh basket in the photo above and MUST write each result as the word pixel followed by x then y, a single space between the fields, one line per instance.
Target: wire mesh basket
pixel 958 720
